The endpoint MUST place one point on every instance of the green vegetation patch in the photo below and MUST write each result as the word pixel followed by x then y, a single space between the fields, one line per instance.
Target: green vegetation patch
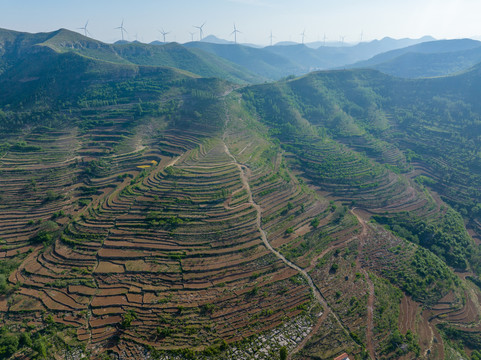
pixel 422 275
pixel 445 236
pixel 6 267
pixel 471 339
pixel 386 318
pixel 38 343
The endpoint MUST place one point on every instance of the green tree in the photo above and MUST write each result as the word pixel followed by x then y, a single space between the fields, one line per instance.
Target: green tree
pixel 8 343
pixel 127 319
pixel 41 348
pixel 3 284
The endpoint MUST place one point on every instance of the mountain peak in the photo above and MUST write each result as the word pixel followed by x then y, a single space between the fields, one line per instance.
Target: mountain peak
pixel 215 40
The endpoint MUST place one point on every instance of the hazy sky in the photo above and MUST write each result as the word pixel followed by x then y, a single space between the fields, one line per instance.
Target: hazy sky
pixel 254 18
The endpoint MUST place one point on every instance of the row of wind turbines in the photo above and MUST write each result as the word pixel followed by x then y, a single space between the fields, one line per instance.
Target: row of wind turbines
pixel 163 33
pixel 201 33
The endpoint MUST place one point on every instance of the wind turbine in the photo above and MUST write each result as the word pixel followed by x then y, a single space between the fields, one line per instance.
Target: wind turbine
pixel 303 34
pixel 342 40
pixel 362 33
pixel 235 34
pixel 86 32
pixel 164 33
pixel 201 32
pixel 191 35
pixel 271 37
pixel 122 29
pixel 324 40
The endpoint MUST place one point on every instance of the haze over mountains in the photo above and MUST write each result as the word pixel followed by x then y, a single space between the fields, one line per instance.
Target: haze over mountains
pixel 222 201
pixel 434 58
pixel 296 59
pixel 246 64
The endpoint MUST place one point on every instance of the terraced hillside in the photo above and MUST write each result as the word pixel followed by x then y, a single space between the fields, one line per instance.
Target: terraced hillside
pixel 131 222
pixel 343 132
pixel 167 249
pixel 165 232
pixel 149 213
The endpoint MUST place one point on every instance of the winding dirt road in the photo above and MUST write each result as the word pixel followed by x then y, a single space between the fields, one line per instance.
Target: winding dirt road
pixel 319 297
pixel 304 272
pixel 251 201
pixel 370 300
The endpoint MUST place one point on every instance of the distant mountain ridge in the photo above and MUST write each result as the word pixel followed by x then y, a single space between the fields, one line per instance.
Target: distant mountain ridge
pixel 285 59
pixel 16 44
pixel 435 58
pixel 430 47
pixel 246 64
pixel 259 61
